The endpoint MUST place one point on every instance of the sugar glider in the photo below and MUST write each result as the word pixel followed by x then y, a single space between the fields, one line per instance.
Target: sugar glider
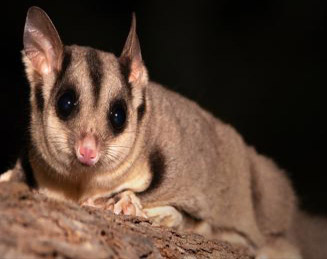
pixel 103 134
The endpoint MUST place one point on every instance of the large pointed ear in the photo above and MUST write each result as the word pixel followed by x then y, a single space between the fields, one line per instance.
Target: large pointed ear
pixel 42 45
pixel 131 57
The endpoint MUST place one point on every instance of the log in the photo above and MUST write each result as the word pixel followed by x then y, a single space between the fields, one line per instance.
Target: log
pixel 34 226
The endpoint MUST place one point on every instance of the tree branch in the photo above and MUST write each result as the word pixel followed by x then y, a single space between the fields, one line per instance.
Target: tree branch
pixel 32 225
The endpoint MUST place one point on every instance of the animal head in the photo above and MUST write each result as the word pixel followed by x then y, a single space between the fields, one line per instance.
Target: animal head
pixel 86 104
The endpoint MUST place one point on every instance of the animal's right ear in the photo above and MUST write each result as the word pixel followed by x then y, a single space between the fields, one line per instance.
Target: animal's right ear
pixel 42 44
pixel 131 56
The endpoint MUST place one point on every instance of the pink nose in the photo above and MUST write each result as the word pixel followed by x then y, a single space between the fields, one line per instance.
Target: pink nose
pixel 87 151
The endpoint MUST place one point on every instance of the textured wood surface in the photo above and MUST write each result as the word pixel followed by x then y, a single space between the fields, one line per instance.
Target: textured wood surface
pixel 33 226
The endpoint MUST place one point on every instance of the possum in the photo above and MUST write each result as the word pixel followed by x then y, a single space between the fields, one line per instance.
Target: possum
pixel 102 134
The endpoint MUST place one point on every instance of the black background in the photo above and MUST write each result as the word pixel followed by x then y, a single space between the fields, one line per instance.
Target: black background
pixel 254 64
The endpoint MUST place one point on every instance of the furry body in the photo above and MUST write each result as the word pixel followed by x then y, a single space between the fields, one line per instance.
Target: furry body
pixel 171 160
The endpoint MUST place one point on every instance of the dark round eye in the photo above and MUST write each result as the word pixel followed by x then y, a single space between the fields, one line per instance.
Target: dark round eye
pixel 66 103
pixel 117 115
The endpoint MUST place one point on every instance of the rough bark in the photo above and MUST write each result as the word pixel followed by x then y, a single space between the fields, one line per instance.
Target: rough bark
pixel 33 226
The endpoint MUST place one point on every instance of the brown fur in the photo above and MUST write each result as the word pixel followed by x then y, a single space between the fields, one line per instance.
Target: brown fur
pixel 210 181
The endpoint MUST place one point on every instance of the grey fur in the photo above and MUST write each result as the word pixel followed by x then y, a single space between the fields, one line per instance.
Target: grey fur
pixel 206 178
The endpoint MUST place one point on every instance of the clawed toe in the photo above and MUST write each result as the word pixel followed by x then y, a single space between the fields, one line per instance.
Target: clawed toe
pixel 125 203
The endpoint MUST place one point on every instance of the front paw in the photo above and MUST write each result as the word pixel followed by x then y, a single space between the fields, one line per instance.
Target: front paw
pixel 125 203
pixel 165 216
pixel 7 176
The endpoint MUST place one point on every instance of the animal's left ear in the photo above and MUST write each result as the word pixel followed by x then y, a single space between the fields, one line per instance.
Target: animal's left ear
pixel 131 57
pixel 42 44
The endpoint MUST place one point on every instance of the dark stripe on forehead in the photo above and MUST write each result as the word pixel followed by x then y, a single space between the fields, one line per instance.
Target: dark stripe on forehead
pixel 39 97
pixel 95 68
pixel 67 58
pixel 142 107
pixel 125 71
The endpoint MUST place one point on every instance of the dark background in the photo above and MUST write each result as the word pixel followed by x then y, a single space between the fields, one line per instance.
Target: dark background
pixel 254 64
